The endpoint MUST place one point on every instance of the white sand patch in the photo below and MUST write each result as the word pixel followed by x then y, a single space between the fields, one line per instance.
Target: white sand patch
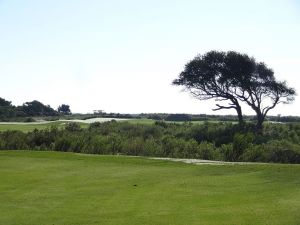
pixel 205 162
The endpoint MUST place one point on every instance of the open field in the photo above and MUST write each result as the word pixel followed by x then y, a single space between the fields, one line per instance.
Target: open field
pixel 66 188
pixel 151 121
pixel 26 127
pixel 30 126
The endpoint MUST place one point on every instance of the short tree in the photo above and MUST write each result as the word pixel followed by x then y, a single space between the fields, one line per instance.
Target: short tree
pixel 64 109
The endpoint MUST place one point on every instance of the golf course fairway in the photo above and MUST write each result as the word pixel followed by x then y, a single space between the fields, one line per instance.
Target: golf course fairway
pixel 55 188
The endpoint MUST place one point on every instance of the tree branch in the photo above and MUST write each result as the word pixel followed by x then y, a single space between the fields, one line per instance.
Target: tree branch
pixel 223 107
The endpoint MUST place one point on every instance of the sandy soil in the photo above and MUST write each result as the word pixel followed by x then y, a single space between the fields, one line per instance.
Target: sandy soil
pixel 204 162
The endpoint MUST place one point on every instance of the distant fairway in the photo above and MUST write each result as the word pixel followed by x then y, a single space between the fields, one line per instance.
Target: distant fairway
pixel 26 127
pixel 43 188
pixel 30 126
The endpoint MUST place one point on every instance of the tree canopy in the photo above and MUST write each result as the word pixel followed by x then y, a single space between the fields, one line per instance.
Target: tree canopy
pixel 28 109
pixel 64 109
pixel 233 77
pixel 4 103
pixel 36 108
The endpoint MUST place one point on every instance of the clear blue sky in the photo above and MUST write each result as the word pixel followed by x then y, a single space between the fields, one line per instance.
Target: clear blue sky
pixel 121 56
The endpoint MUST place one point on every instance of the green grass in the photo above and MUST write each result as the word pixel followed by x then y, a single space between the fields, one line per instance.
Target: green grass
pixel 30 127
pixel 138 121
pixel 151 121
pixel 26 127
pixel 73 189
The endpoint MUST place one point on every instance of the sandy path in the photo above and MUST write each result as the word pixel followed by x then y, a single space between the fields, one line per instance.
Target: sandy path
pixel 205 162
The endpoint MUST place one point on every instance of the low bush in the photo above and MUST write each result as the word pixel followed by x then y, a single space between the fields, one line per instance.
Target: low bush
pixel 212 141
pixel 274 151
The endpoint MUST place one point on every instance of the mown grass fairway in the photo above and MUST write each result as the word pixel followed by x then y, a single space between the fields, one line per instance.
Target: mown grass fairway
pixel 26 127
pixel 66 188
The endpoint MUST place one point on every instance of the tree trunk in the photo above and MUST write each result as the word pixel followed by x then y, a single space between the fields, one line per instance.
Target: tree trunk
pixel 260 120
pixel 240 115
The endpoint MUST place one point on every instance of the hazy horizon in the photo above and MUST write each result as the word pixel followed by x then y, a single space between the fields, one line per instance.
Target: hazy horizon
pixel 121 56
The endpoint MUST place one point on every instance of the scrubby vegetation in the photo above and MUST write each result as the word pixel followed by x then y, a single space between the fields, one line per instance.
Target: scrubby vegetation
pixel 212 141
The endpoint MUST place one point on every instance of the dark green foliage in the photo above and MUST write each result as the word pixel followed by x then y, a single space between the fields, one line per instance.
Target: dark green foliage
pixel 212 141
pixel 72 127
pixel 178 117
pixel 9 112
pixel 6 109
pixel 240 143
pixel 36 108
pixel 64 109
pixel 4 103
pixel 274 151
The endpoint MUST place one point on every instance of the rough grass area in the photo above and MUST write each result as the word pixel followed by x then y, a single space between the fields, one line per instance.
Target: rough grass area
pixel 66 188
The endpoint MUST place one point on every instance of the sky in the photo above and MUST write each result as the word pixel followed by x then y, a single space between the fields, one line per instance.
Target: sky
pixel 121 56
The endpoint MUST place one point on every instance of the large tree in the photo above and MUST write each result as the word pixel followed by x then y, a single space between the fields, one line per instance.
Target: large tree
pixel 234 78
pixel 36 108
pixel 206 77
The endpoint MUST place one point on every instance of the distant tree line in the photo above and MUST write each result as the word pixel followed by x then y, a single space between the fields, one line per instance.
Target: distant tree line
pixel 208 117
pixel 9 112
pixel 29 109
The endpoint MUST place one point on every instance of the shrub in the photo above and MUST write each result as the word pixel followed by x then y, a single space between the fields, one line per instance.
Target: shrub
pixel 208 151
pixel 227 151
pixel 213 141
pixel 73 127
pixel 240 143
pixel 274 151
